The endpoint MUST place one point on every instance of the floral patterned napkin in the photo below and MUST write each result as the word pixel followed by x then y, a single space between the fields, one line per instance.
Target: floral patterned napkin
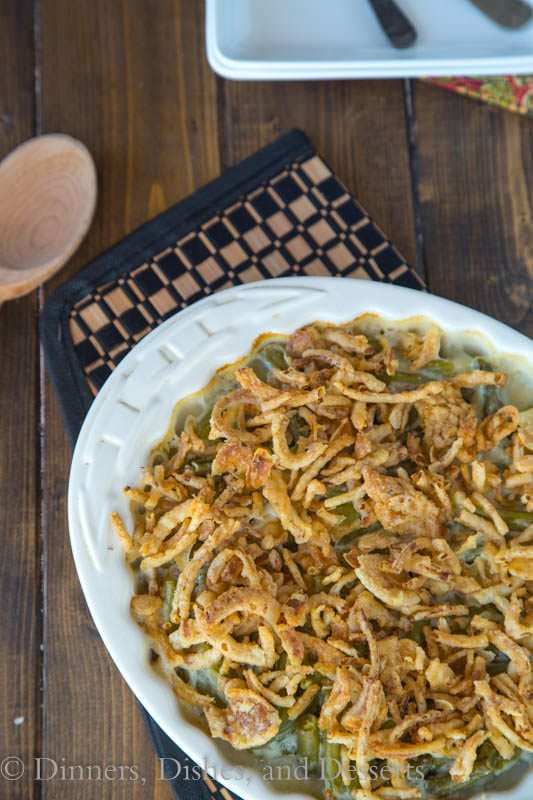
pixel 515 93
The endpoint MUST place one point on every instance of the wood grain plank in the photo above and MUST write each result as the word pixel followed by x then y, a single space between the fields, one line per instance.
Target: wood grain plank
pixel 130 80
pixel 358 126
pixel 20 660
pixel 475 189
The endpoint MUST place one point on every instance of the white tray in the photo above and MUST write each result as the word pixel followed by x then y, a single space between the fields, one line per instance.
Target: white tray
pixel 301 39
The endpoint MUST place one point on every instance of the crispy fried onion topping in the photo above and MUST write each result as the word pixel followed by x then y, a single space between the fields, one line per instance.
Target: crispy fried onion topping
pixel 248 721
pixel 346 540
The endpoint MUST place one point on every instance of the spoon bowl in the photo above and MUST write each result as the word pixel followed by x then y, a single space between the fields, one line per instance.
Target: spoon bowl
pixel 47 200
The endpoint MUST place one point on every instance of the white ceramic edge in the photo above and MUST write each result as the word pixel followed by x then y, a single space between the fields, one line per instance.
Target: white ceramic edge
pixel 248 69
pixel 126 643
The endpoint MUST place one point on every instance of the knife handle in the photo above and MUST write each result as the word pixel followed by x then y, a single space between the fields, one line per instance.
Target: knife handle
pixel 398 28
pixel 507 13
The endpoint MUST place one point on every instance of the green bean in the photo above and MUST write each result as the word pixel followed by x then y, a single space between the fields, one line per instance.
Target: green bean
pixel 485 400
pixel 298 427
pixel 431 776
pixel 203 424
pixel 308 740
pixel 407 378
pixel 331 767
pixel 347 511
pixel 489 761
pixel 440 366
pixel 416 632
pixel 493 400
pixel 206 681
pixel 275 353
pixel 429 765
pixel 169 587
pixel 348 539
pixel 438 783
pixel 469 556
pixel 490 612
pixel 498 665
pixel 201 467
pixel 314 678
pixel 441 786
pixel 375 344
pixel 334 491
pixel 480 362
pixel 170 449
pixel 517 520
pixel 281 663
pixel 202 574
pixel 260 366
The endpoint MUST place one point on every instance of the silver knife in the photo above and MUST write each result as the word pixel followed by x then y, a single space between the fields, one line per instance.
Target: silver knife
pixel 508 13
pixel 395 24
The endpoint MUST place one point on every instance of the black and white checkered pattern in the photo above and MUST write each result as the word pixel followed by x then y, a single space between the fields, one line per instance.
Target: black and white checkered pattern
pixel 301 221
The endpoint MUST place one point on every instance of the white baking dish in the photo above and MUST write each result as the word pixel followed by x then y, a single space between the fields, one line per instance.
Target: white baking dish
pixel 303 39
pixel 131 414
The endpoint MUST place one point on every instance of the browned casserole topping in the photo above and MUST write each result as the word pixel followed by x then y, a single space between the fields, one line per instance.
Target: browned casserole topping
pixel 336 557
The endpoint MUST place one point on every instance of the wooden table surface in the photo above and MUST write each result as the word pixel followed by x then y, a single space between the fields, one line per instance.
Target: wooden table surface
pixel 448 179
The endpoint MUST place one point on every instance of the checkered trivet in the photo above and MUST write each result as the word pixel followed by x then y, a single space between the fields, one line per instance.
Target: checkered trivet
pixel 301 220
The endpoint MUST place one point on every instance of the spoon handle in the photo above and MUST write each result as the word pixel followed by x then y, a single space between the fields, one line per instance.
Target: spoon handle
pixel 395 24
pixel 507 13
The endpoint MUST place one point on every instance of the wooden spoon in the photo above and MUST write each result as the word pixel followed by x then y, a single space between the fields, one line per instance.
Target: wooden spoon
pixel 47 201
